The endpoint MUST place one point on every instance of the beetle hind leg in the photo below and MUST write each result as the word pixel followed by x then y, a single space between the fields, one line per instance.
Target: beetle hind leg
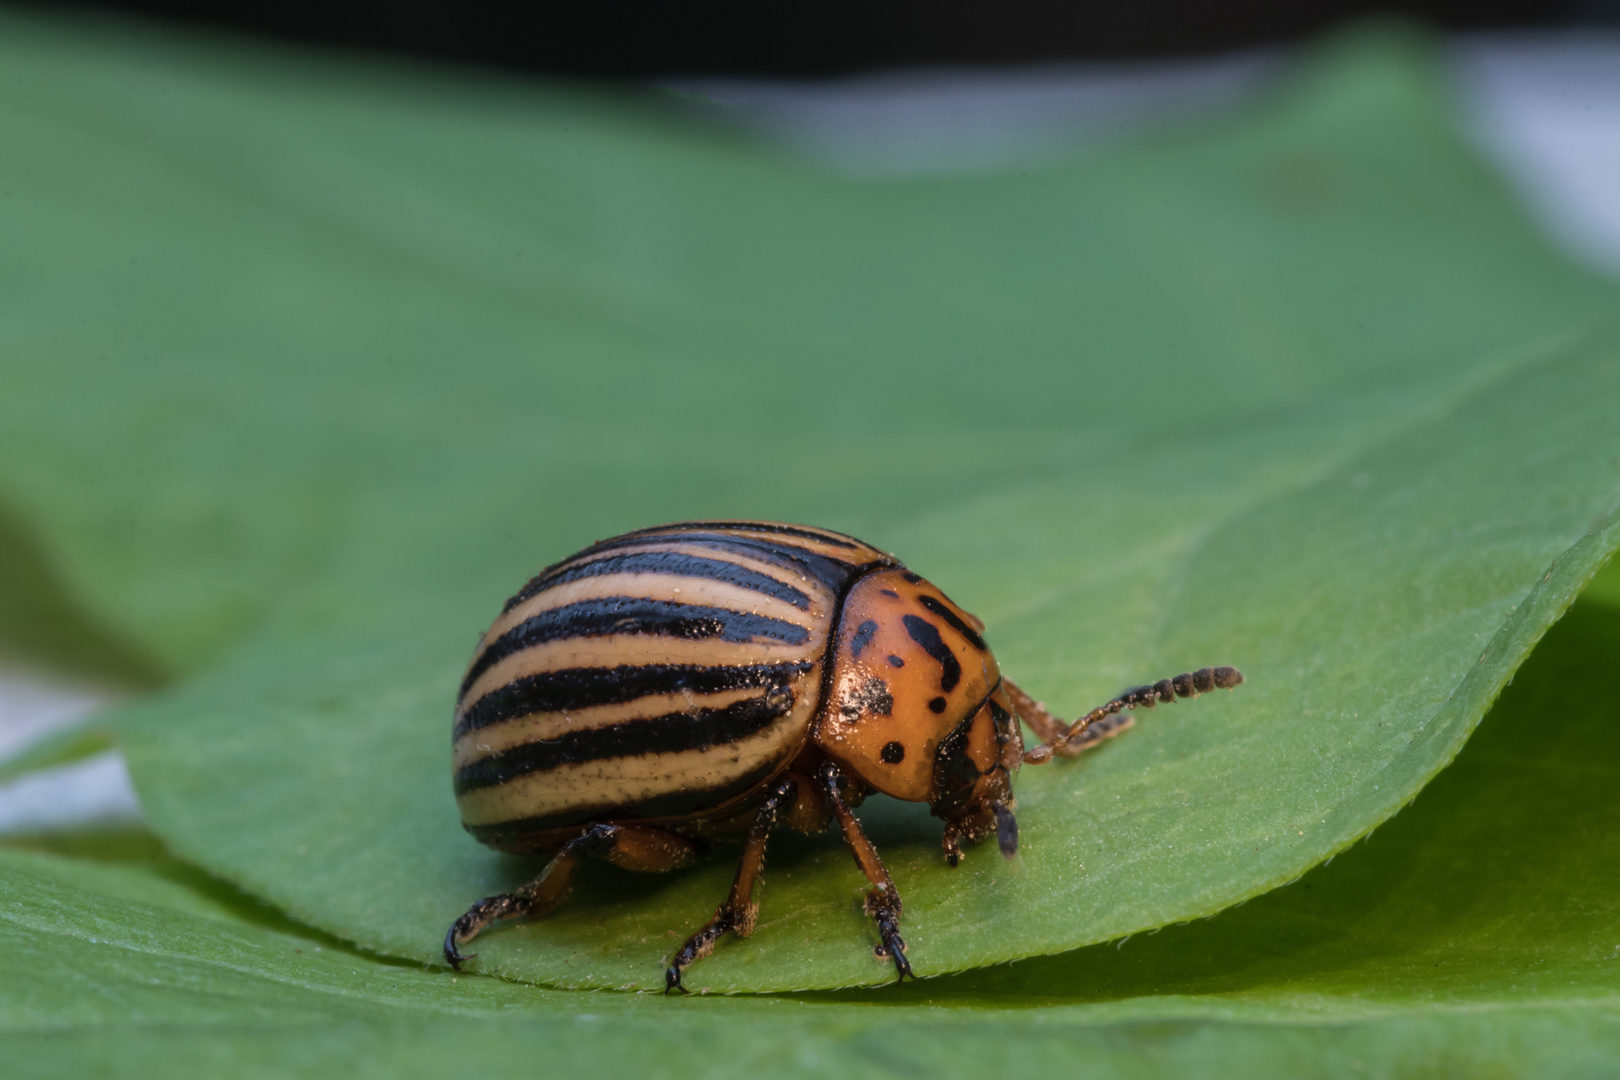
pixel 624 846
pixel 739 912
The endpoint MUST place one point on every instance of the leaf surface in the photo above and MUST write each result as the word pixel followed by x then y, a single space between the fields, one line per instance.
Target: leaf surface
pixel 1299 392
pixel 1477 931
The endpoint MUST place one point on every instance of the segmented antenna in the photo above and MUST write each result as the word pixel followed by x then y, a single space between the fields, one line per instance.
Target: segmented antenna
pixel 1103 721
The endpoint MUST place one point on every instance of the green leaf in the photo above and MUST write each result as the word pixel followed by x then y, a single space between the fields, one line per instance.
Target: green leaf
pixel 1373 641
pixel 1478 932
pixel 1301 392
pixel 59 748
pixel 1605 587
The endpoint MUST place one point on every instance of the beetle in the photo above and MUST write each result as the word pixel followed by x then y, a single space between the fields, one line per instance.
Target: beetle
pixel 713 679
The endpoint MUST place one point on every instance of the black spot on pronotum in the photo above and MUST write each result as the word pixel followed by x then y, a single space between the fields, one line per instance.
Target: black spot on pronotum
pixel 926 634
pixel 893 753
pixel 913 578
pixel 863 637
pixel 937 705
pixel 895 661
pixel 940 608
pixel 890 592
pixel 872 696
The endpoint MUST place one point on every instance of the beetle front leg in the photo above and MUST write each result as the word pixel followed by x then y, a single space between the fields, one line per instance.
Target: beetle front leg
pixel 882 900
pixel 739 913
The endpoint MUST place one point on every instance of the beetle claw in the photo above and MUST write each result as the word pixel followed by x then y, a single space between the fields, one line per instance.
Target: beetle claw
pixel 884 907
pixel 894 948
pixel 452 955
pixel 672 980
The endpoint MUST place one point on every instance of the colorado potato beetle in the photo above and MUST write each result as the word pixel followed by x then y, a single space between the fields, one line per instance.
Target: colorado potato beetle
pixel 716 678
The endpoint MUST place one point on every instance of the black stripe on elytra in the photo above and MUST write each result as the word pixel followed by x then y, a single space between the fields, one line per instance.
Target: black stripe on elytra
pixel 633 615
pixel 571 689
pixel 673 733
pixel 863 637
pixel 926 634
pixel 835 539
pixel 832 573
pixel 943 610
pixel 510 835
pixel 664 562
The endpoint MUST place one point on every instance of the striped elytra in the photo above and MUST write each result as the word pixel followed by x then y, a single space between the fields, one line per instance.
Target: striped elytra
pixel 709 679
pixel 662 674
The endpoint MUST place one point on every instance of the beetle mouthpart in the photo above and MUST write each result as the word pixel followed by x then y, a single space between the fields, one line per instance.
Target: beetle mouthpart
pixel 1006 830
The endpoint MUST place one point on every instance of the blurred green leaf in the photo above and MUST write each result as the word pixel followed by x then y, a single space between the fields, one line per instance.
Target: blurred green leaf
pixel 59 748
pixel 1605 587
pixel 1299 392
pixel 1477 933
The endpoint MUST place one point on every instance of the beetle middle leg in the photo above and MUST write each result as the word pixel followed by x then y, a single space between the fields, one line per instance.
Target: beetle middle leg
pixel 739 912
pixel 882 901
pixel 628 847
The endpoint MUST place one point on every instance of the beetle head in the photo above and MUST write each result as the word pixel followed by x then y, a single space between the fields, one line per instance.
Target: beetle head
pixel 973 773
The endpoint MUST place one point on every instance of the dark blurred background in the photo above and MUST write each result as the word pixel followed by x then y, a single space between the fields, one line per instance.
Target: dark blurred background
pixel 639 38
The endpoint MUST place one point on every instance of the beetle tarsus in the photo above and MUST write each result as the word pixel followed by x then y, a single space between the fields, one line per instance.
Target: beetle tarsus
pixel 479 916
pixel 739 913
pixel 882 900
pixel 884 907
pixel 452 954
pixel 698 946
pixel 533 900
